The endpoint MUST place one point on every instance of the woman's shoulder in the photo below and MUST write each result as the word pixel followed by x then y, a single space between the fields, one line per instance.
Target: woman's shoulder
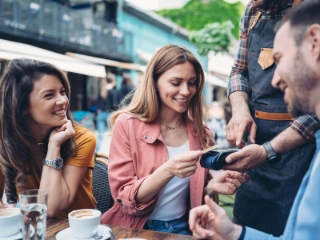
pixel 125 117
pixel 130 123
pixel 82 132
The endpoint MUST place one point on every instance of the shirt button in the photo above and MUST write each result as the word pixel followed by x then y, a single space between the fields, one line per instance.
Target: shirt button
pixel 119 200
pixel 151 138
pixel 145 137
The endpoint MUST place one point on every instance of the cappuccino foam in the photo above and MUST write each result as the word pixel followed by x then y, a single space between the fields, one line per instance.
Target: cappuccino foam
pixel 5 212
pixel 84 214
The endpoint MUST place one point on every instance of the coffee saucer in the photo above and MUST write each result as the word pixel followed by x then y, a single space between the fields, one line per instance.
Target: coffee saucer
pixel 103 231
pixel 16 236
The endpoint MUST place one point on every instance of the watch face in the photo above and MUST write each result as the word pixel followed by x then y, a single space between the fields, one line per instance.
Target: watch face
pixel 58 163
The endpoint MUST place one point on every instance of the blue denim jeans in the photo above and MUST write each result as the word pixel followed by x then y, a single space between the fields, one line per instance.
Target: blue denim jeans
pixel 178 226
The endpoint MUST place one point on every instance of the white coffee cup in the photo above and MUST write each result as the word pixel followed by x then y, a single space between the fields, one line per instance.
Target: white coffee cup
pixel 84 223
pixel 10 221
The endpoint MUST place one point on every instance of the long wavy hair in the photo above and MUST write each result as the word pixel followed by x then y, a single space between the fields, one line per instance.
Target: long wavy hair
pixel 145 103
pixel 16 157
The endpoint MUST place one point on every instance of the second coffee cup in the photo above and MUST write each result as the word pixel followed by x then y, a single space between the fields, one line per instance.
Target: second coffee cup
pixel 84 223
pixel 10 221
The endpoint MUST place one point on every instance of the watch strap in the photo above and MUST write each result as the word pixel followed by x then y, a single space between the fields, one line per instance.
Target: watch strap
pixel 270 152
pixel 273 157
pixel 56 163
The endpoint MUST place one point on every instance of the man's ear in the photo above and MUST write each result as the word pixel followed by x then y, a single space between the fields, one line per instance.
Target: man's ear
pixel 313 38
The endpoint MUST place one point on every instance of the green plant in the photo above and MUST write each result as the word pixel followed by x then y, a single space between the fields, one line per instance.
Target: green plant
pixel 214 37
pixel 227 202
pixel 197 13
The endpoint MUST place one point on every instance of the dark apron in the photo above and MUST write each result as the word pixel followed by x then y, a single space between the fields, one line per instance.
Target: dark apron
pixel 265 201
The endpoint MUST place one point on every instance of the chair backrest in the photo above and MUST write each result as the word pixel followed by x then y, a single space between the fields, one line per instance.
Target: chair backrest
pixel 100 184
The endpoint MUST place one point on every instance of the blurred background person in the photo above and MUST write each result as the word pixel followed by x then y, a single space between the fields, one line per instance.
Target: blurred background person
pixel 107 103
pixel 216 123
pixel 126 87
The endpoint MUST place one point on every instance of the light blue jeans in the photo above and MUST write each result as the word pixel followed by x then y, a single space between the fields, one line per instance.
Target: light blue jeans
pixel 178 226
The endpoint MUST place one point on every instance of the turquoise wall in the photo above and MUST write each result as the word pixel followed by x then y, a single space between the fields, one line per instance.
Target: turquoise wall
pixel 150 38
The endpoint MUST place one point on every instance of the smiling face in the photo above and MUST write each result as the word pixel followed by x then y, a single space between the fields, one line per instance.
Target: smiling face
pixel 293 74
pixel 48 103
pixel 176 87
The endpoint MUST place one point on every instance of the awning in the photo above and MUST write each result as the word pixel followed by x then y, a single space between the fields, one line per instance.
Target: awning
pixel 107 62
pixel 220 63
pixel 143 55
pixel 216 81
pixel 10 50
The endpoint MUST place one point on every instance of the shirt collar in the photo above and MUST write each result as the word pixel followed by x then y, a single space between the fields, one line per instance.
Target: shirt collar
pixel 282 3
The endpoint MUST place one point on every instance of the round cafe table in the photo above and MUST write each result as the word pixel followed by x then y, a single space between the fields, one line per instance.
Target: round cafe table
pixel 56 225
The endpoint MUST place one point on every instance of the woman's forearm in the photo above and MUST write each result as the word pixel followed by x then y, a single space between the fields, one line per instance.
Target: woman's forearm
pixel 58 192
pixel 60 185
pixel 153 184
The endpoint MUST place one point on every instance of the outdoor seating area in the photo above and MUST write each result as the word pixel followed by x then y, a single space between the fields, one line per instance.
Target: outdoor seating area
pixel 159 120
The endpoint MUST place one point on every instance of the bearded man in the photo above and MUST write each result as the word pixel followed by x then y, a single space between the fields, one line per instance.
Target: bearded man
pixel 282 147
pixel 297 55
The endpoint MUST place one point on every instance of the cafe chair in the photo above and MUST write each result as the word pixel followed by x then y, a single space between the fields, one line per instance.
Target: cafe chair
pixel 100 184
pixel 102 156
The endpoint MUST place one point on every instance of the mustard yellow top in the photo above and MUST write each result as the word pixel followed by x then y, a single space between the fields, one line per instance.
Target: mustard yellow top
pixel 86 143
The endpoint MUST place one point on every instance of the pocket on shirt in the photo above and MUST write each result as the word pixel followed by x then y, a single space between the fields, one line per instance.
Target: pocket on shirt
pixel 265 59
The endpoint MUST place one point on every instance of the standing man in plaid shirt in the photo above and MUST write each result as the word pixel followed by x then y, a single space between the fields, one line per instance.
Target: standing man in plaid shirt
pixel 282 147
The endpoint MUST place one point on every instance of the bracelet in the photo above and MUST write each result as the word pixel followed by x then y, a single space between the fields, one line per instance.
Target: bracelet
pixel 243 233
pixel 56 163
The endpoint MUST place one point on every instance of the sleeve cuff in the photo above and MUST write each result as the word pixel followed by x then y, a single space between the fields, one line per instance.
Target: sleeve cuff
pixel 253 234
pixel 243 233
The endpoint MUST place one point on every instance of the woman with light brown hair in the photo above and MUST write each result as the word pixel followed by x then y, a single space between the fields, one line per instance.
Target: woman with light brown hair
pixel 156 142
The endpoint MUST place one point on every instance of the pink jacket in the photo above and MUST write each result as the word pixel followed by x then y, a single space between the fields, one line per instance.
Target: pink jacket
pixel 136 150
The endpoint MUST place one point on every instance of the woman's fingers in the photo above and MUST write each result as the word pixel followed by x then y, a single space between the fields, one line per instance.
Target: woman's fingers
pixel 231 188
pixel 186 171
pixel 184 165
pixel 242 178
pixel 67 128
pixel 234 182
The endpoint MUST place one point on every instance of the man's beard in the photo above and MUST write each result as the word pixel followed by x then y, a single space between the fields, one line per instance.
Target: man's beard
pixel 263 4
pixel 304 80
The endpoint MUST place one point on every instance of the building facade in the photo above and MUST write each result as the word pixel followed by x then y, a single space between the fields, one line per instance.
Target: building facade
pixel 115 35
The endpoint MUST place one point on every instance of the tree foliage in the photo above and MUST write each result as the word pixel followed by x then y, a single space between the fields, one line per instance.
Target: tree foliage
pixel 198 13
pixel 214 37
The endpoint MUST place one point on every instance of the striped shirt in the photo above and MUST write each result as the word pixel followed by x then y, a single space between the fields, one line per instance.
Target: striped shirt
pixel 306 125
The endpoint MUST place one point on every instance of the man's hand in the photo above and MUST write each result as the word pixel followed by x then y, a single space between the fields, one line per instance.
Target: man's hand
pixel 226 182
pixel 249 157
pixel 241 120
pixel 211 222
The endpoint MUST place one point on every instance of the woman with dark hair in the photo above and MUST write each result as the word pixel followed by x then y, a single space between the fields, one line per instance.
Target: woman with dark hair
pixel 154 172
pixel 41 146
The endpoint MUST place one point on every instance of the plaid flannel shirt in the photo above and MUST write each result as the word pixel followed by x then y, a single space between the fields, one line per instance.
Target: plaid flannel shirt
pixel 306 125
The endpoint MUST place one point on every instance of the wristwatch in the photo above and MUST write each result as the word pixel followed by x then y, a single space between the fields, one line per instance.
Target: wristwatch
pixel 56 163
pixel 273 157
